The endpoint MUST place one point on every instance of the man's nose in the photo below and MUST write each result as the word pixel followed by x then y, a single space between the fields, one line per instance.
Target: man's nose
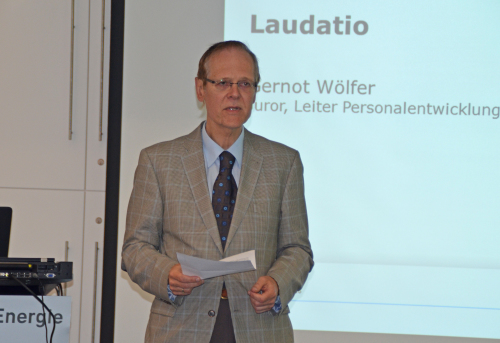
pixel 234 90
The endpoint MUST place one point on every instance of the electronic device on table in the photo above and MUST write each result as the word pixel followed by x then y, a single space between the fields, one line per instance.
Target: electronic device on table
pixel 40 275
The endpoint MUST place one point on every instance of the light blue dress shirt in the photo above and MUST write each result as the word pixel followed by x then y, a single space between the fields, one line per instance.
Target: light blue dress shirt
pixel 212 150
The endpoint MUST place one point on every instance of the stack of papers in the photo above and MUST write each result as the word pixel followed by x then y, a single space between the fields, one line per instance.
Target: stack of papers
pixel 206 269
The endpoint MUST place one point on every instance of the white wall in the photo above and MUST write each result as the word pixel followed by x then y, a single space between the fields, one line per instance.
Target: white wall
pixel 159 104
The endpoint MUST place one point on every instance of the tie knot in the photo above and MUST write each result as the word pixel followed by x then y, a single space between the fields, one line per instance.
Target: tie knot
pixel 226 160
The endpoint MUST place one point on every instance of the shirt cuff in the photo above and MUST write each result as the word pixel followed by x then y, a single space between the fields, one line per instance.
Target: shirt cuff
pixel 277 305
pixel 172 296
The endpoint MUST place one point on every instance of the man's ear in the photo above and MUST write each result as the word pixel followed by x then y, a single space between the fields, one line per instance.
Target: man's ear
pixel 200 89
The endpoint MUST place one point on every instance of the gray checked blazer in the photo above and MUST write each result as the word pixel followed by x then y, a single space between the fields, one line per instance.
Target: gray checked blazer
pixel 170 211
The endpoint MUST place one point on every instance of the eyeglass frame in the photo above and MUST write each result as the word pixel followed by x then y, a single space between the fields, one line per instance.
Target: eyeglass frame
pixel 216 83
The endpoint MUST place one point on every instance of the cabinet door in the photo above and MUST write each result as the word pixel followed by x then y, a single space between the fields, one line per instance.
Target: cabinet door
pixel 35 94
pixel 42 222
pixel 90 314
pixel 98 85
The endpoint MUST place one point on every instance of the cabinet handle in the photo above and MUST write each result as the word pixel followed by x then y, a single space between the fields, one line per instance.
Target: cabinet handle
pixel 95 289
pixel 66 253
pixel 70 134
pixel 103 16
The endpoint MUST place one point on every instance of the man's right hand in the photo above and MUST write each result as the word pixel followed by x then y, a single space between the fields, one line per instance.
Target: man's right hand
pixel 181 284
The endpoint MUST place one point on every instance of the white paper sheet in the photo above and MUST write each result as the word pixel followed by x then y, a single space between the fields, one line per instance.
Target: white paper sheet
pixel 206 269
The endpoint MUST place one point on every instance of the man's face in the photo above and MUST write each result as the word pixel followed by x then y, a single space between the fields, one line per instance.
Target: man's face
pixel 227 109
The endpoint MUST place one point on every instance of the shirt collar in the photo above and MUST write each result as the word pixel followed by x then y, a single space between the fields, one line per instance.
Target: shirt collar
pixel 212 150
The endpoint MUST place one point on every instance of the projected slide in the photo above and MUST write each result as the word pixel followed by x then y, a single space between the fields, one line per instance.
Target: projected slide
pixel 394 107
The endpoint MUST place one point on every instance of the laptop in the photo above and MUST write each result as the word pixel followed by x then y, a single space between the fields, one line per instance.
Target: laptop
pixel 5 221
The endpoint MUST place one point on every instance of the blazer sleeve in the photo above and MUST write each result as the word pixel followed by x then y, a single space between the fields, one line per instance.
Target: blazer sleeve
pixel 294 255
pixel 141 253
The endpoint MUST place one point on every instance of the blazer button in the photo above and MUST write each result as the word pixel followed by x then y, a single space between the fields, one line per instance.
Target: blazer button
pixel 211 313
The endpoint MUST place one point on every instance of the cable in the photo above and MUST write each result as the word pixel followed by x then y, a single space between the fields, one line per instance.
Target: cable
pixel 40 301
pixel 44 321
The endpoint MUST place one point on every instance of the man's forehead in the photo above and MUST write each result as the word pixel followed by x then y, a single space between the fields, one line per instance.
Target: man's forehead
pixel 223 57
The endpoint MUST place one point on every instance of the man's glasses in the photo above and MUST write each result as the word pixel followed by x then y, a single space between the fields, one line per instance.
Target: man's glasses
pixel 223 85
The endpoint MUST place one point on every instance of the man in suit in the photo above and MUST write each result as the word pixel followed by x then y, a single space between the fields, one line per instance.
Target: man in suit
pixel 215 193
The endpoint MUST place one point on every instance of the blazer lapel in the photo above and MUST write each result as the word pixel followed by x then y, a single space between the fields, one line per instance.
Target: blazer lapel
pixel 250 170
pixel 194 165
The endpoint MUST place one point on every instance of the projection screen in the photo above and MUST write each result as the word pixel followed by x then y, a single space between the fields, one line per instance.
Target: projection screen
pixel 394 107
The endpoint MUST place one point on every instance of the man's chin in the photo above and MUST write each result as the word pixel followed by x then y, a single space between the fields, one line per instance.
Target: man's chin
pixel 230 123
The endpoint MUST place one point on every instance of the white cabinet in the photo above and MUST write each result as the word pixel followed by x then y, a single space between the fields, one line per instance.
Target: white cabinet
pixel 35 68
pixel 55 182
pixel 42 222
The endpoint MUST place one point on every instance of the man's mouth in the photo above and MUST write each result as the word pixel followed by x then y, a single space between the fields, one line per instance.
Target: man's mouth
pixel 235 108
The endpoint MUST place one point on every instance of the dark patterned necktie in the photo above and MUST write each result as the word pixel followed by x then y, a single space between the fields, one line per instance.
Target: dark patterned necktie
pixel 224 195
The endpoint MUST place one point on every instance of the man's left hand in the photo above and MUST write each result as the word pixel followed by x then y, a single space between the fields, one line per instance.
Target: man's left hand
pixel 263 294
